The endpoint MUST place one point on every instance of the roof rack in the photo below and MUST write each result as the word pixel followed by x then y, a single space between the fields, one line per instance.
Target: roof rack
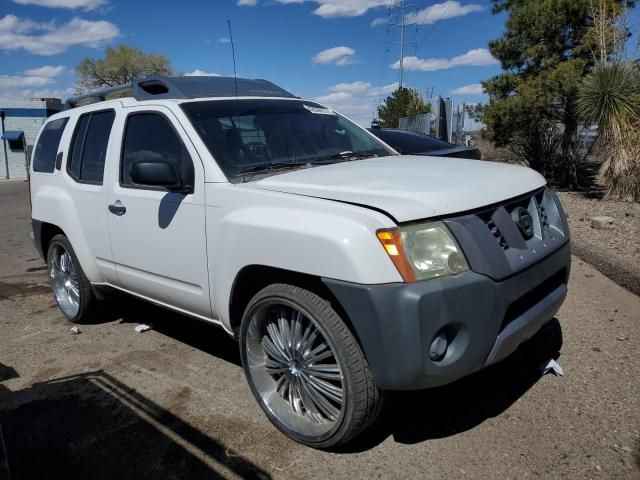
pixel 184 88
pixel 96 96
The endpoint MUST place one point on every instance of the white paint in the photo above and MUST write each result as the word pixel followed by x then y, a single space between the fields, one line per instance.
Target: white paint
pixel 296 221
pixel 410 187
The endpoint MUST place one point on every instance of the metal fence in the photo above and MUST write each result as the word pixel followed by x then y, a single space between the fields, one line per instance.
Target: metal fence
pixel 419 123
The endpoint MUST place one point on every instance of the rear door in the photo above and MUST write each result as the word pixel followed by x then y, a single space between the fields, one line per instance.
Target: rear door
pixel 158 236
pixel 84 173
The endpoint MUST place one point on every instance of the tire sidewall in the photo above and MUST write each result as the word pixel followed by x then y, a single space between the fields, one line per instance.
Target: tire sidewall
pixel 289 298
pixel 63 241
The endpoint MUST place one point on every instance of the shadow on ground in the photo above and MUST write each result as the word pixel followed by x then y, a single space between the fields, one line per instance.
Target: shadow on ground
pixel 7 373
pixel 410 417
pixel 202 335
pixel 93 426
pixel 588 185
pixel 413 417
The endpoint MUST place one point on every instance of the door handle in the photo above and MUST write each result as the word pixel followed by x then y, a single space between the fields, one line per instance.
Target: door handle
pixel 118 210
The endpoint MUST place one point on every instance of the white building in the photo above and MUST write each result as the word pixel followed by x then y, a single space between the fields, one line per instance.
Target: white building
pixel 20 121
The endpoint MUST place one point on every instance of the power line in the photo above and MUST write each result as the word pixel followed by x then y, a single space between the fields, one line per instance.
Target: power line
pixel 435 24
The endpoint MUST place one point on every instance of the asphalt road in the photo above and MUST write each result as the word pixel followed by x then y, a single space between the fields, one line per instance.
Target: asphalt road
pixel 173 402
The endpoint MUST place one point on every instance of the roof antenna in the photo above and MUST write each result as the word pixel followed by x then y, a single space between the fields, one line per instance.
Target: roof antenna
pixel 233 52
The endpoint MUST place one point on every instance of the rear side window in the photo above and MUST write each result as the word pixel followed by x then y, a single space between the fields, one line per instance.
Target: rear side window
pixel 44 155
pixel 150 137
pixel 89 147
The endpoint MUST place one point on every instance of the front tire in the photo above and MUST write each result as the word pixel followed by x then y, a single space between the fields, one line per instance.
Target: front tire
pixel 70 286
pixel 305 367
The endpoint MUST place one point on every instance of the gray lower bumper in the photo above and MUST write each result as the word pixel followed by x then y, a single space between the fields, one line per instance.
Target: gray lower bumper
pixel 484 320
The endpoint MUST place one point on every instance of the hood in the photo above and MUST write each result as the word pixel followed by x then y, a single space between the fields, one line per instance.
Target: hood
pixel 410 187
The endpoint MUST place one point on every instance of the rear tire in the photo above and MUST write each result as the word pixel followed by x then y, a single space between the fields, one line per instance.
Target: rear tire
pixel 305 367
pixel 70 286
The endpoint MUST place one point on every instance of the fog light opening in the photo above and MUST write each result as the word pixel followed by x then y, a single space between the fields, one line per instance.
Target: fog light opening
pixel 439 346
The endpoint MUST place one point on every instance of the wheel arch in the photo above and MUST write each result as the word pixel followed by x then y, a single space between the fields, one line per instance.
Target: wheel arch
pixel 253 278
pixel 47 232
pixel 53 207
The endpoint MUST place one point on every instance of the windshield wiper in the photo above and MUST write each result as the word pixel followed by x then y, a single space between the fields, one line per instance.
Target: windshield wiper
pixel 346 156
pixel 278 166
pixel 268 167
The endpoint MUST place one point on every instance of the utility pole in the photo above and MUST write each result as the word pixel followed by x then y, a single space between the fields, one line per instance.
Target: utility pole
pixel 402 7
pixel 4 145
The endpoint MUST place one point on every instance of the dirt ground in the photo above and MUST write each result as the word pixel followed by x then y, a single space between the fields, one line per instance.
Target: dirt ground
pixel 616 252
pixel 172 402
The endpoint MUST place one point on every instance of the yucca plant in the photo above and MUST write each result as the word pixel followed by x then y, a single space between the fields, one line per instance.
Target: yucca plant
pixel 609 97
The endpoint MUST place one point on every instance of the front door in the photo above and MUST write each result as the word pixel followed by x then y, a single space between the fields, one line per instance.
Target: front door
pixel 157 236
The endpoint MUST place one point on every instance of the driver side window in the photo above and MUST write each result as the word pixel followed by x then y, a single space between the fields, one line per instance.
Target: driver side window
pixel 150 137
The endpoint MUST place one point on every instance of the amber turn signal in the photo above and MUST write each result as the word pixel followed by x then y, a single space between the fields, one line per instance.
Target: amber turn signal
pixel 392 242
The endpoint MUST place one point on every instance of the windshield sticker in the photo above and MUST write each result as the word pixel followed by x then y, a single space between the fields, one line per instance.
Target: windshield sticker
pixel 318 110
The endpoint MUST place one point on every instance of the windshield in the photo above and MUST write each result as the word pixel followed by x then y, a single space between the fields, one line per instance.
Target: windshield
pixel 252 136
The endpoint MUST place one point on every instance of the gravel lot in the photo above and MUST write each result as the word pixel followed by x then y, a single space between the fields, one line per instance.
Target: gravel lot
pixel 616 252
pixel 173 403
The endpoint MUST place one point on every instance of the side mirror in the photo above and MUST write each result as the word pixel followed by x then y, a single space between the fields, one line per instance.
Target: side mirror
pixel 157 174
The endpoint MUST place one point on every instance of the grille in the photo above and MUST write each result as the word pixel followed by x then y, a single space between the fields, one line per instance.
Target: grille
pixel 535 204
pixel 544 218
pixel 506 238
pixel 495 231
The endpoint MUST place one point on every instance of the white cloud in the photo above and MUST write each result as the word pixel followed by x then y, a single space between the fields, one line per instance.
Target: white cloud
pixel 223 40
pixel 22 86
pixel 29 93
pixel 50 39
pixel 436 12
pixel 357 99
pixel 473 89
pixel 47 71
pixel 331 8
pixel 353 88
pixel 83 4
pixel 384 90
pixel 334 97
pixel 337 55
pixel 33 77
pixel 19 81
pixel 346 8
pixel 201 73
pixel 442 11
pixel 476 57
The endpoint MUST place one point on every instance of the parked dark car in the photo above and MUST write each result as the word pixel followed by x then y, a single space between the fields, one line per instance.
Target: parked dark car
pixel 412 143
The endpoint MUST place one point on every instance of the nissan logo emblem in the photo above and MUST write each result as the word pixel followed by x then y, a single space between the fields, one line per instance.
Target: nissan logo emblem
pixel 522 218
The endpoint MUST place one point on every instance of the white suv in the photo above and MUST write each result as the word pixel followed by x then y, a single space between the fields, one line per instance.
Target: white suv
pixel 343 268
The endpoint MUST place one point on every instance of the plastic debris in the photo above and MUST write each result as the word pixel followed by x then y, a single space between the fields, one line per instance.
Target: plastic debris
pixel 554 367
pixel 75 330
pixel 142 328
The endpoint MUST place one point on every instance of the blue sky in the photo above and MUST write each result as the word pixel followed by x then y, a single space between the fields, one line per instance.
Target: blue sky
pixel 336 51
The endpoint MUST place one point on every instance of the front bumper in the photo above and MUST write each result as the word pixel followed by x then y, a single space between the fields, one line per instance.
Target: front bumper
pixel 484 320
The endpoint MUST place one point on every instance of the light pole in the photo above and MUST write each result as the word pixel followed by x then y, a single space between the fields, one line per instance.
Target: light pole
pixel 4 145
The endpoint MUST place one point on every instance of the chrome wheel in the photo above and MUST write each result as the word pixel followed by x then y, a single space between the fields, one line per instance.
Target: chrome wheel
pixel 63 278
pixel 294 368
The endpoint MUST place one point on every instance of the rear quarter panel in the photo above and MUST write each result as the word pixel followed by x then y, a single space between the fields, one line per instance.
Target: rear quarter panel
pixel 72 207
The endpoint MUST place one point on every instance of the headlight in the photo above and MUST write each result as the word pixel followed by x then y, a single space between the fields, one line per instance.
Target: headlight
pixel 425 251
